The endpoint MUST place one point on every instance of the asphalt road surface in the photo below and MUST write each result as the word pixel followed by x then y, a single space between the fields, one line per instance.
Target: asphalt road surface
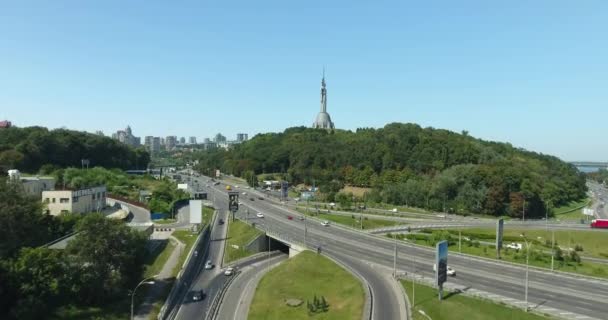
pixel 578 295
pixel 210 281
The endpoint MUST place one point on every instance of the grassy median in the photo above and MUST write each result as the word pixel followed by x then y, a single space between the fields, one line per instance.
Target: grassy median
pixel 589 243
pixel 456 306
pixel 238 236
pixel 303 277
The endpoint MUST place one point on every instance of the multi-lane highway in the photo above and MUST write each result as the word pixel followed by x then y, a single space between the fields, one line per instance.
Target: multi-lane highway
pixel 600 197
pixel 574 294
pixel 371 256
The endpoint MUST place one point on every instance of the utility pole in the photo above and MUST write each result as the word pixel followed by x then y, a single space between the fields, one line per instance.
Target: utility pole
pixel 459 240
pixel 524 210
pixel 268 248
pixel 413 280
pixel 552 247
pixel 527 268
pixel 305 232
pixel 361 216
pixel 395 258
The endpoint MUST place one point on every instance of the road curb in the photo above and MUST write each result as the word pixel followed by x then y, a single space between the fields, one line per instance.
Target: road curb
pixel 408 305
pixel 205 233
pixel 368 308
pixel 216 305
pixel 479 294
pixel 217 301
pixel 498 262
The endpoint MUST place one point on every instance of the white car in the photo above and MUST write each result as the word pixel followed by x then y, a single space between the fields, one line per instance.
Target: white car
pixel 515 246
pixel 394 210
pixel 325 223
pixel 332 204
pixel 208 265
pixel 244 193
pixel 229 271
pixel 450 271
pixel 259 215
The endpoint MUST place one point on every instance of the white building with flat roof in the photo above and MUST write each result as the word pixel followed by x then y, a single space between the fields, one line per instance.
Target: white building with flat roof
pixel 75 201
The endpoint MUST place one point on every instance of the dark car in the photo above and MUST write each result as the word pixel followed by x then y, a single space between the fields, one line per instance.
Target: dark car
pixel 261 198
pixel 198 295
pixel 252 199
pixel 289 218
pixel 221 221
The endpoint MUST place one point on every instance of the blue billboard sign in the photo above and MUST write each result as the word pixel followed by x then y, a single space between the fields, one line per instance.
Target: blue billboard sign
pixel 441 263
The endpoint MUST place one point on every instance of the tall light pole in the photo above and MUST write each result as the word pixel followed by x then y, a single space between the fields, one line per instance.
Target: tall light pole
pixel 552 247
pixel 305 231
pixel 527 267
pixel 523 210
pixel 459 240
pixel 395 258
pixel 144 281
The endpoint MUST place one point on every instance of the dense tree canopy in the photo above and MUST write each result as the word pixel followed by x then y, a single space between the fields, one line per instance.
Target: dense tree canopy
pixel 407 164
pixel 101 264
pixel 28 149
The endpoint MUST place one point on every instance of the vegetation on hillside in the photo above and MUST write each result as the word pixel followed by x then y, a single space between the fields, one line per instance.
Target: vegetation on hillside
pixel 28 149
pixel 406 164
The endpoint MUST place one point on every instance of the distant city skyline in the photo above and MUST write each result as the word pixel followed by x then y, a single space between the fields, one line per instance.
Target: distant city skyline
pixel 533 74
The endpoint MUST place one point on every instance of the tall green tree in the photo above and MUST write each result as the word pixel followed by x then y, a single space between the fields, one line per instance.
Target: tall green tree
pixel 108 256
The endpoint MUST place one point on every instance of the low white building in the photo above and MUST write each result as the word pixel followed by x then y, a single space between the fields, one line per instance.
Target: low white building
pixel 75 201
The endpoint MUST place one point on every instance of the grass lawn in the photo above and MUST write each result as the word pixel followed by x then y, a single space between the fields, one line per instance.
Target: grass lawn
pixel 155 261
pixel 239 234
pixel 595 243
pixel 188 238
pixel 457 306
pixel 349 221
pixel 207 215
pixel 572 211
pixel 303 277
pixel 537 259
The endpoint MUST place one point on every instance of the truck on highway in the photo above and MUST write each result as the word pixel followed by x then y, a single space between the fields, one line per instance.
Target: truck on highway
pixel 599 223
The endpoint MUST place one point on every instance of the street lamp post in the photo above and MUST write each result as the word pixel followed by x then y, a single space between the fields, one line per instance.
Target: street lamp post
pixel 144 281
pixel 527 267
pixel 305 231
pixel 552 247
pixel 459 240
pixel 395 258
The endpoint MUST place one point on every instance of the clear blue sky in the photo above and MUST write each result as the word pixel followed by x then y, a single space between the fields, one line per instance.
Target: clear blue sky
pixel 533 73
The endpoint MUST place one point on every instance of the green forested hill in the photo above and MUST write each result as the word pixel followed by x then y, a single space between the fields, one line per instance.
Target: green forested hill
pixel 407 164
pixel 30 148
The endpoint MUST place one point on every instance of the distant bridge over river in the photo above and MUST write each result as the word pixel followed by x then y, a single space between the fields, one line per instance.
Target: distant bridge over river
pixel 590 164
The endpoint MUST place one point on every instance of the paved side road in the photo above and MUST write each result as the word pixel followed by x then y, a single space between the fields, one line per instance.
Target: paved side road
pixel 144 310
pixel 239 295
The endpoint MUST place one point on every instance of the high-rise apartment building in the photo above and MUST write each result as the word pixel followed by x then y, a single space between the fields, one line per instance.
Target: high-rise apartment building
pixel 126 136
pixel 170 143
pixel 192 140
pixel 240 137
pixel 155 145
